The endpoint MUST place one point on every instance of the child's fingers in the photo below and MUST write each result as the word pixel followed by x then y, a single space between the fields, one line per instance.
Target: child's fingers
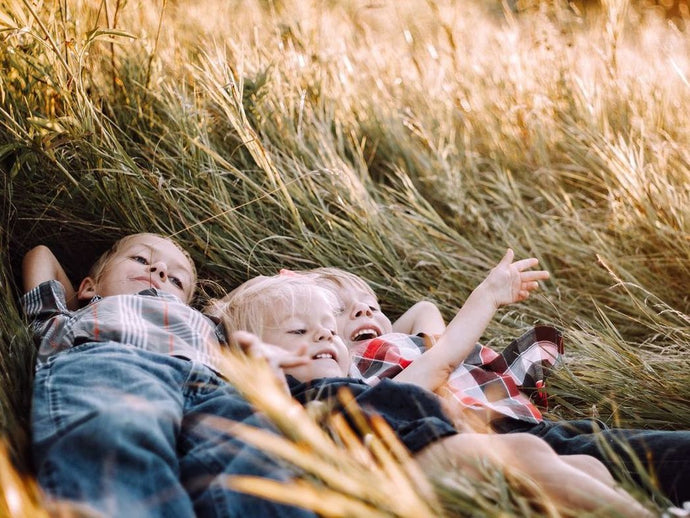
pixel 507 258
pixel 294 359
pixel 524 264
pixel 253 346
pixel 281 358
pixel 288 363
pixel 534 275
pixel 242 337
pixel 248 342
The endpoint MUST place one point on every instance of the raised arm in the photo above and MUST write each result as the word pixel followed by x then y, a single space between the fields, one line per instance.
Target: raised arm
pixel 508 282
pixel 40 265
pixel 423 317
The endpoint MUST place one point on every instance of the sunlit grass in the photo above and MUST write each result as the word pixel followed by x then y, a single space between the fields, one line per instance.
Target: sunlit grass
pixel 409 142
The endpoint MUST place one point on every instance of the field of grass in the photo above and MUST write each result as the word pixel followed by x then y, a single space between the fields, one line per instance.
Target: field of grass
pixel 410 142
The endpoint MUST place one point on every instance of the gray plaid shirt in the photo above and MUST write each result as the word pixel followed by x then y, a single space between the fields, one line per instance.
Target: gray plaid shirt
pixel 153 320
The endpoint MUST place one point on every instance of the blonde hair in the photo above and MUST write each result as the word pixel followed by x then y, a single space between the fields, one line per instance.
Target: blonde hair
pixel 252 305
pixel 97 269
pixel 335 278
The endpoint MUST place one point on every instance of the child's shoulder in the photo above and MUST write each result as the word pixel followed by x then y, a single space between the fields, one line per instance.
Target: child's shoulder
pixel 45 291
pixel 45 300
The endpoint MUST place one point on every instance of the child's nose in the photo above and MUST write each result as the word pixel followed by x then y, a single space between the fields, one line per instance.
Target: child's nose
pixel 361 310
pixel 160 269
pixel 323 334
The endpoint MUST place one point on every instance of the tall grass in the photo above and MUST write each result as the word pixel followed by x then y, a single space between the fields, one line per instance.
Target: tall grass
pixel 409 142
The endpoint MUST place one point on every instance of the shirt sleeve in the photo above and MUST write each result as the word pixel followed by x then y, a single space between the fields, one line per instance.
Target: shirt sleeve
pixel 43 303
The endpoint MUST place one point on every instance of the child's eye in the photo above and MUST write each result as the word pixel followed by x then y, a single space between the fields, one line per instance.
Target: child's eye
pixel 297 331
pixel 374 308
pixel 338 311
pixel 176 282
pixel 139 259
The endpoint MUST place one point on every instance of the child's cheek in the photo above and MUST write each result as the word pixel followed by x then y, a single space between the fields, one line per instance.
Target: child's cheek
pixel 297 373
pixel 347 364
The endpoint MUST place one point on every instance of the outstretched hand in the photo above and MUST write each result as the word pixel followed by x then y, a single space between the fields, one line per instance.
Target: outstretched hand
pixel 276 357
pixel 512 281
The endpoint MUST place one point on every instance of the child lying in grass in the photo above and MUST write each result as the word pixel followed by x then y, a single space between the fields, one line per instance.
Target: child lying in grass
pixel 298 315
pixel 478 383
pixel 124 387
pixel 481 380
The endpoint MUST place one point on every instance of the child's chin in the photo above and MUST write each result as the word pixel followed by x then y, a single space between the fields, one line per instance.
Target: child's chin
pixel 330 372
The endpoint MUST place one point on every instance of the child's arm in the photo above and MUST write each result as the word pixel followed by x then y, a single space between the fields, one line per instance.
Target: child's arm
pixel 423 317
pixel 508 282
pixel 40 265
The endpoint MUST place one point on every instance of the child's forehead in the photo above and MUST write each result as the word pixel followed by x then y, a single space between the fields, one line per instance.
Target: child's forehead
pixel 312 301
pixel 356 291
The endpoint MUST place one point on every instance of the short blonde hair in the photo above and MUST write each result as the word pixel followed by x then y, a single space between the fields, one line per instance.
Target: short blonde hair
pixel 97 269
pixel 250 306
pixel 335 278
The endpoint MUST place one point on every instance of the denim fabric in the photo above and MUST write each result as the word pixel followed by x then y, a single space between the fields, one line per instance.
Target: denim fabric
pixel 135 433
pixel 663 453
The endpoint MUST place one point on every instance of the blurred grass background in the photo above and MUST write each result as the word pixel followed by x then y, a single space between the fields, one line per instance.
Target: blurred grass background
pixel 410 142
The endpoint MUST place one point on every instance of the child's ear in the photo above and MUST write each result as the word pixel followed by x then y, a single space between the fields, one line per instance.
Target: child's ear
pixel 87 289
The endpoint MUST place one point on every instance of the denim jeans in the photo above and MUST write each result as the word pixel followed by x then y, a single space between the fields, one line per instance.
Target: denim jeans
pixel 134 433
pixel 663 453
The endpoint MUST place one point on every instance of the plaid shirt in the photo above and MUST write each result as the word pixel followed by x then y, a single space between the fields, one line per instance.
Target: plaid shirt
pixel 151 320
pixel 501 382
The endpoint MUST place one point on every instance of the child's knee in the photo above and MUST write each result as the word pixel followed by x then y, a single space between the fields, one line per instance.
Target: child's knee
pixel 523 450
pixel 590 465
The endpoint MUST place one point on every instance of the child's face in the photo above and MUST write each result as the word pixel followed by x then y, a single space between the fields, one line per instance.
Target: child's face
pixel 310 323
pixel 360 317
pixel 145 261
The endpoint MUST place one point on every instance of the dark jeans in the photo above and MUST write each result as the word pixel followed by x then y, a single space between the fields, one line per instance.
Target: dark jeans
pixel 665 455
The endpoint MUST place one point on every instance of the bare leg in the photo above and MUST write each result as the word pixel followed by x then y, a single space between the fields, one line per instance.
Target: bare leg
pixel 590 465
pixel 529 457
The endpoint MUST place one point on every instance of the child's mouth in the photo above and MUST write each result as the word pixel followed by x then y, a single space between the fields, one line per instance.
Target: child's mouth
pixel 148 280
pixel 366 333
pixel 325 355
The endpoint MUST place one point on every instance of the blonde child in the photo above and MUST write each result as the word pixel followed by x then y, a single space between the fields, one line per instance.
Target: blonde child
pixel 485 383
pixel 124 385
pixel 296 314
pixel 496 389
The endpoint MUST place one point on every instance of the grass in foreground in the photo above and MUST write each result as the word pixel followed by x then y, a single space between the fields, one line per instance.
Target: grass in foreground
pixel 409 143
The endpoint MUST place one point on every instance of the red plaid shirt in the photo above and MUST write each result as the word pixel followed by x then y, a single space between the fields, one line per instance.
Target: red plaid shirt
pixel 508 383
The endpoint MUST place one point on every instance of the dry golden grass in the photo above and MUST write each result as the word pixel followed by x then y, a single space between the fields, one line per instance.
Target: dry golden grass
pixel 409 142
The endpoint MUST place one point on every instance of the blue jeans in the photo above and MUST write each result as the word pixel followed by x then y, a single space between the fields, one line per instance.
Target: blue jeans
pixel 133 433
pixel 663 453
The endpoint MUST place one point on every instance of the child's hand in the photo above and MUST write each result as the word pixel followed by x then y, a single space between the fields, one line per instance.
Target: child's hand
pixel 510 281
pixel 276 357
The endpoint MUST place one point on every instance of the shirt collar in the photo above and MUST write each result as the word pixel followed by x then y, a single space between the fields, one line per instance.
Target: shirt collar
pixel 148 292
